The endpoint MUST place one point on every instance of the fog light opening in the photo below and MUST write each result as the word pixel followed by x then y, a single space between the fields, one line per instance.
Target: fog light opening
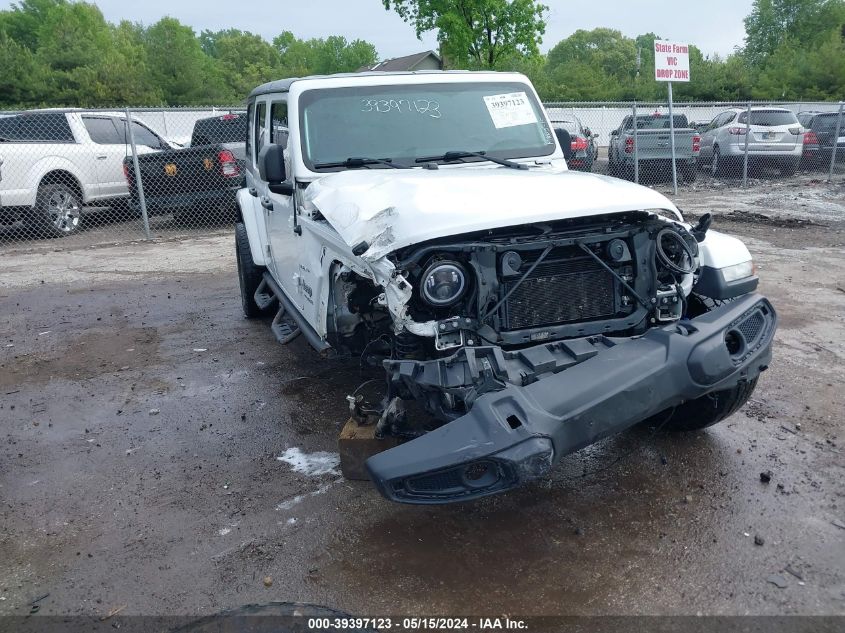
pixel 733 341
pixel 480 474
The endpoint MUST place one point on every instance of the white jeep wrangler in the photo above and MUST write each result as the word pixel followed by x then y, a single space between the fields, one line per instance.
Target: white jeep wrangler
pixel 427 222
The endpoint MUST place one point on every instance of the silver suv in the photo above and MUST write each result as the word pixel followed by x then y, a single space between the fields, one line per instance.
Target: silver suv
pixel 776 138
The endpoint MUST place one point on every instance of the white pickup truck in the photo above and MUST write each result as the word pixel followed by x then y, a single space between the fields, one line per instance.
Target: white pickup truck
pixel 54 162
pixel 427 223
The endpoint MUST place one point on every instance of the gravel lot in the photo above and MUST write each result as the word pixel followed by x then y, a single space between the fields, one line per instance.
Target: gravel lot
pixel 142 420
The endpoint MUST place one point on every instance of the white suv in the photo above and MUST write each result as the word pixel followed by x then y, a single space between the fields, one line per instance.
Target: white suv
pixel 776 138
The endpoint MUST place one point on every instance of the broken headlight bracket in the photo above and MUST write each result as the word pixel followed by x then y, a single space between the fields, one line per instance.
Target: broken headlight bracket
pixel 454 332
pixel 668 306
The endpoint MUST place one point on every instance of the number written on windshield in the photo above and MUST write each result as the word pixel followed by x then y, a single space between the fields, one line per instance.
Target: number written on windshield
pixel 428 107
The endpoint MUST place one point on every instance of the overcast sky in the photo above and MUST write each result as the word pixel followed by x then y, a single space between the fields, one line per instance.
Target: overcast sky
pixel 715 26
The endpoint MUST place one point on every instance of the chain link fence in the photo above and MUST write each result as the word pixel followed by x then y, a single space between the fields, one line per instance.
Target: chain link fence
pixel 71 177
pixel 85 177
pixel 726 144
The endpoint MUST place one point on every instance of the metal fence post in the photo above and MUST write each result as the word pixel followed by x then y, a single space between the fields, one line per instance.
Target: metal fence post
pixel 835 149
pixel 138 182
pixel 672 141
pixel 747 134
pixel 636 146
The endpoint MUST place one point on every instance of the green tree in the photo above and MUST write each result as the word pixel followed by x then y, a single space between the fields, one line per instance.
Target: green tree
pixel 772 22
pixel 180 68
pixel 90 61
pixel 25 18
pixel 243 59
pixel 24 79
pixel 794 71
pixel 600 64
pixel 322 56
pixel 336 55
pixel 477 33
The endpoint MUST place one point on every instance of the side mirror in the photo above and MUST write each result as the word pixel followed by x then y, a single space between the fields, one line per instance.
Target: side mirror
pixel 271 169
pixel 271 164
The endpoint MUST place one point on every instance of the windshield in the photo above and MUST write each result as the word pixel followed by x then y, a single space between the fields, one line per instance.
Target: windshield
pixel 769 118
pixel 404 123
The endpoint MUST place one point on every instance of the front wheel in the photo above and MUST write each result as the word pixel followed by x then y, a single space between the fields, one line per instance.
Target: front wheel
pixel 249 273
pixel 717 165
pixel 58 210
pixel 706 410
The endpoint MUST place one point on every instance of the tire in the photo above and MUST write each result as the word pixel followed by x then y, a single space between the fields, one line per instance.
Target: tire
pixel 706 410
pixel 58 210
pixel 717 164
pixel 689 173
pixel 249 274
pixel 611 165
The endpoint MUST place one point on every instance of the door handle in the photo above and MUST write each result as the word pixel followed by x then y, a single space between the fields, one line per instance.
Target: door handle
pixel 267 203
pixel 253 192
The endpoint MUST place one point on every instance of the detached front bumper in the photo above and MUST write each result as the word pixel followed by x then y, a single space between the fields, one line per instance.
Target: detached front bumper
pixel 557 398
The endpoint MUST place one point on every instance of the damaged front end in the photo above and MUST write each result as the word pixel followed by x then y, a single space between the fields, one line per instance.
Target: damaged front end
pixel 533 406
pixel 524 344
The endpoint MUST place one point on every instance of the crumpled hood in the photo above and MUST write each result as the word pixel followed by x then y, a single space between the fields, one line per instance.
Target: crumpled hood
pixel 391 209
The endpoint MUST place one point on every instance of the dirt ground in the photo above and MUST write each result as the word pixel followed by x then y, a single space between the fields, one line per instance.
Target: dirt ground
pixel 143 420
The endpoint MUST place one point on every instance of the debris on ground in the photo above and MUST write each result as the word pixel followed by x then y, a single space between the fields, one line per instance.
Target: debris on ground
pixel 154 411
pixel 771 220
pixel 268 581
pixel 766 476
pixel 792 572
pixel 112 613
pixel 839 524
pixel 778 581
pixel 758 540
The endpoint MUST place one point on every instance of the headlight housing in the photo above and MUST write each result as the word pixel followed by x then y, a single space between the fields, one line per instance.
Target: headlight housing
pixel 738 271
pixel 443 283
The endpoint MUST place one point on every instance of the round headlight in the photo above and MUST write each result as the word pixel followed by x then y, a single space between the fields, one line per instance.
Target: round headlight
pixel 443 283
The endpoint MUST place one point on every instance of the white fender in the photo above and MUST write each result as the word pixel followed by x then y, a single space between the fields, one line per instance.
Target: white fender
pixel 720 251
pixel 246 202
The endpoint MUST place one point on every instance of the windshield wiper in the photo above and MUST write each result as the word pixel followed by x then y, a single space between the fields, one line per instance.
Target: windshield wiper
pixel 460 154
pixel 358 162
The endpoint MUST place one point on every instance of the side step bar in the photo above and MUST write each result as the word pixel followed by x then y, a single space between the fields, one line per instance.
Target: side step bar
pixel 263 296
pixel 282 330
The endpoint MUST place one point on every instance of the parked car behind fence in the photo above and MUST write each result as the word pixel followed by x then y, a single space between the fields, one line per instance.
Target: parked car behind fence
pixel 823 132
pixel 582 141
pixel 774 138
pixel 56 162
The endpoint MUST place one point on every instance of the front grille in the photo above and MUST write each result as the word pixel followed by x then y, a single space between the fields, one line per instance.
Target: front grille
pixel 566 291
pixel 437 482
pixel 751 327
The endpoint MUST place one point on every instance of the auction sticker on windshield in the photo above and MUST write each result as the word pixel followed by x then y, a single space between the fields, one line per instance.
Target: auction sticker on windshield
pixel 510 109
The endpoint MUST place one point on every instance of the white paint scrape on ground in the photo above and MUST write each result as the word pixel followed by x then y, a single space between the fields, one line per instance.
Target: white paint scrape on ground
pixel 311 464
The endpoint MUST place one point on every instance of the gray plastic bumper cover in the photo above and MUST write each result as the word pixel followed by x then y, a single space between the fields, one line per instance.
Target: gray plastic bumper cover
pixel 518 433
